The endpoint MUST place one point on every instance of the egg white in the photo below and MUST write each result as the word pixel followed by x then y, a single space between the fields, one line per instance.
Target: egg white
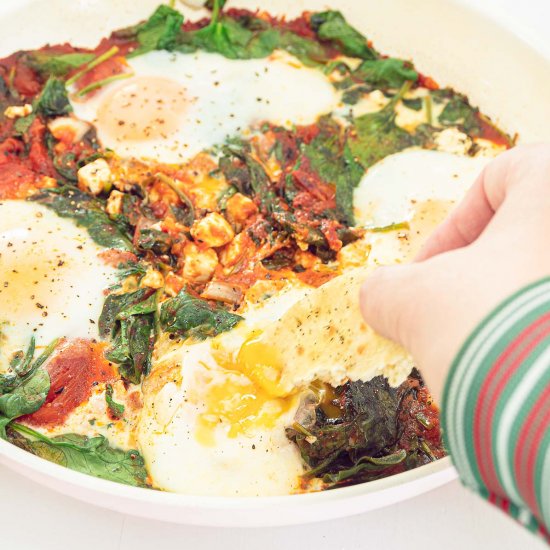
pixel 261 461
pixel 51 278
pixel 224 98
pixel 388 191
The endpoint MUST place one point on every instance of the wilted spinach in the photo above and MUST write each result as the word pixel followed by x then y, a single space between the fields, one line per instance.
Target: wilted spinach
pixel 52 101
pixel 24 388
pixel 332 27
pixel 88 455
pixel 159 32
pixel 86 211
pixel 191 317
pixel 116 409
pixel 459 112
pixel 52 64
pixel 128 320
pixel 361 434
pixel 385 73
pixel 331 157
pixel 376 135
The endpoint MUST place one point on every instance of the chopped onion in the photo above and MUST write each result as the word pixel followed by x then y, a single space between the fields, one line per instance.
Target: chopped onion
pixel 222 292
pixel 79 127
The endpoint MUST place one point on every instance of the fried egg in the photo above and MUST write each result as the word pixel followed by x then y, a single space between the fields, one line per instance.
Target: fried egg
pixel 176 105
pixel 208 429
pixel 52 281
pixel 388 192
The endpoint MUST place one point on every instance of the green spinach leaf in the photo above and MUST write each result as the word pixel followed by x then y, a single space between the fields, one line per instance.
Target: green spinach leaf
pixel 52 101
pixel 252 180
pixel 192 317
pixel 24 388
pixel 332 159
pixel 385 73
pixel 86 211
pixel 377 135
pixel 459 112
pixel 128 320
pixel 52 64
pixel 367 463
pixel 155 240
pixel 27 397
pixel 88 455
pixel 331 27
pixel 160 32
pixel 116 409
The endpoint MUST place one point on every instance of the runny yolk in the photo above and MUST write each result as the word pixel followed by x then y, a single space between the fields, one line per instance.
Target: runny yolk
pixel 244 403
pixel 145 108
pixel 261 362
pixel 241 406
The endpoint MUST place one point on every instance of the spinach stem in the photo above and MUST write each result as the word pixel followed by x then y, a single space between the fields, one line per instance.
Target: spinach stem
pixel 215 13
pixel 391 227
pixel 100 83
pixel 93 63
pixel 401 93
pixel 21 428
pixel 429 110
pixel 181 195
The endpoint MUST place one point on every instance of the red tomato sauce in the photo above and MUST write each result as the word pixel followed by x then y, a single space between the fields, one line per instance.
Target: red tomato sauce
pixel 76 366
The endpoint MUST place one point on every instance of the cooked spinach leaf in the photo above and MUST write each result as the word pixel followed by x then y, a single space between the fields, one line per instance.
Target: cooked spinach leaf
pixel 459 112
pixel 365 430
pixel 27 397
pixel 128 320
pixel 251 180
pixel 231 39
pixel 331 27
pixel 385 73
pixel 188 316
pixel 245 37
pixel 367 463
pixel 415 104
pixel 24 388
pixel 86 211
pixel 154 240
pixel 377 135
pixel 159 32
pixel 332 159
pixel 52 101
pixel 116 409
pixel 367 426
pixel 52 64
pixel 88 455
pixel 309 52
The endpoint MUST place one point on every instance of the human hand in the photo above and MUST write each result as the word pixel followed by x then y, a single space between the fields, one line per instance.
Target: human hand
pixel 496 241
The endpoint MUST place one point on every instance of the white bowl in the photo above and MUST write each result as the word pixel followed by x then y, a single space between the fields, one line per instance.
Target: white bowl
pixel 457 46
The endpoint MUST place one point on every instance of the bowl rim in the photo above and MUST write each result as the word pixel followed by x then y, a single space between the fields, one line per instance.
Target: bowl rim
pixel 28 464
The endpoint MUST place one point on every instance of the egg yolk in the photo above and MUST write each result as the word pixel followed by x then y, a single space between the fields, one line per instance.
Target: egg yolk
pixel 241 406
pixel 144 108
pixel 261 362
pixel 247 403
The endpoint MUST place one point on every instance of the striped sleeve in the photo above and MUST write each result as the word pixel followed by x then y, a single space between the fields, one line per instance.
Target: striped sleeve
pixel 496 408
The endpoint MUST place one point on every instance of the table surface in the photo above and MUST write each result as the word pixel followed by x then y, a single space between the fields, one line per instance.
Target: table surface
pixel 34 517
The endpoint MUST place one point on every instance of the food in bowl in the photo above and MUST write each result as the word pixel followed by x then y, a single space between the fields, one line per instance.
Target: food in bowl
pixel 176 189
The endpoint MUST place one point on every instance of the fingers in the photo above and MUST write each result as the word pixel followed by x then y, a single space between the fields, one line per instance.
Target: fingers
pixel 464 224
pixel 388 299
pixel 522 167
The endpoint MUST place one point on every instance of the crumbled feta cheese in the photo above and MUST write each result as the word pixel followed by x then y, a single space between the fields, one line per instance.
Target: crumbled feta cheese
pixel 95 177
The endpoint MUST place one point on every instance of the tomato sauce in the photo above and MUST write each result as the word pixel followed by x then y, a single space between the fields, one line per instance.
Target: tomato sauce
pixel 76 366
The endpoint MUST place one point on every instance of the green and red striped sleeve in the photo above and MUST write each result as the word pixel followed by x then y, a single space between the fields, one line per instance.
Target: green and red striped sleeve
pixel 496 408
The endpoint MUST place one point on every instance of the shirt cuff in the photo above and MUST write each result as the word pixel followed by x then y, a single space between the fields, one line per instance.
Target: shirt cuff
pixel 496 407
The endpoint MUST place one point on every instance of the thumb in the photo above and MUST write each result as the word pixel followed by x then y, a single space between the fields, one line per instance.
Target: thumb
pixel 394 299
